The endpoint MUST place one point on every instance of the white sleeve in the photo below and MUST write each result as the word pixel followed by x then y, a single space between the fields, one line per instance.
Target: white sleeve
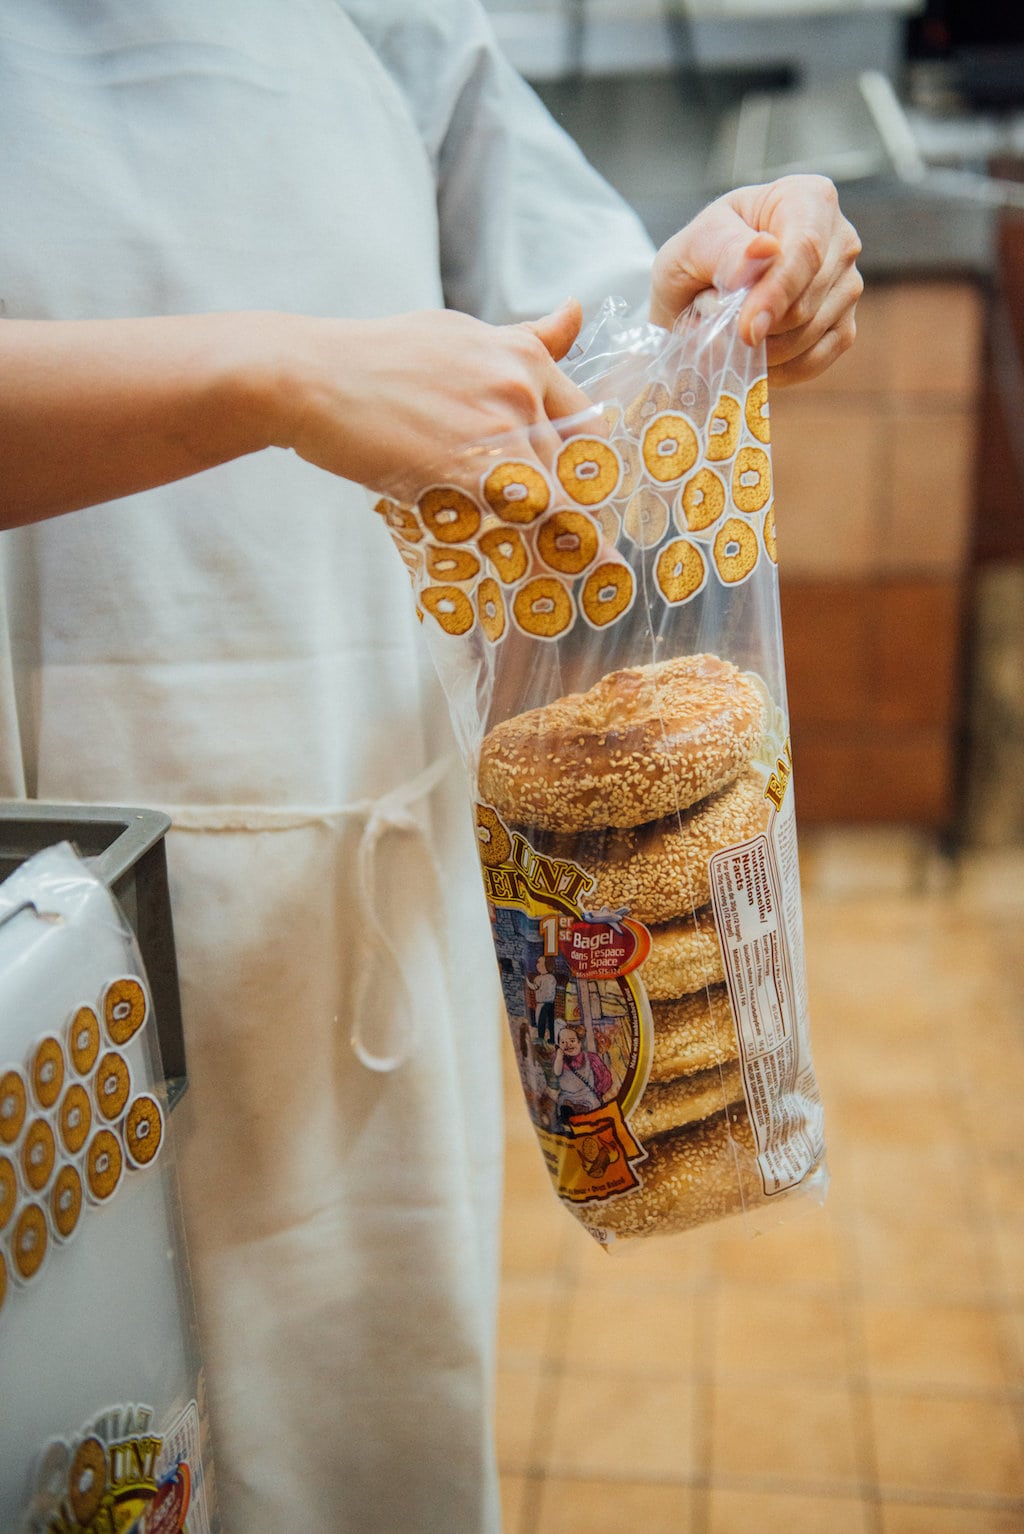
pixel 525 220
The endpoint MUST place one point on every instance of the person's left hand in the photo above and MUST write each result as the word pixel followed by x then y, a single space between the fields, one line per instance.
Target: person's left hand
pixel 791 245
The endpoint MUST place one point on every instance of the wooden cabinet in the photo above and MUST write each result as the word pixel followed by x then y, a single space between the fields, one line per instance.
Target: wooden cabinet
pixel 875 477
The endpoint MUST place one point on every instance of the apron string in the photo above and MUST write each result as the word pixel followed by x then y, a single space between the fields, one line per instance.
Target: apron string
pixel 392 813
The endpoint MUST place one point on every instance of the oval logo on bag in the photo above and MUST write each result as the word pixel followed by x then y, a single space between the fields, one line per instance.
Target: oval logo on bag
pixel 598 949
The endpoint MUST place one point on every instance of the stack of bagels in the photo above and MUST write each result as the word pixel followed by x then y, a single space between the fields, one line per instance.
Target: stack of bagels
pixel 639 781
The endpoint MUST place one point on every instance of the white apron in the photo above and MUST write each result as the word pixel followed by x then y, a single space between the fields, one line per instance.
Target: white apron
pixel 241 650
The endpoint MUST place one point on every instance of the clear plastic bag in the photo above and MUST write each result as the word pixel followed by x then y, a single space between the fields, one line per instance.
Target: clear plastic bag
pixel 600 598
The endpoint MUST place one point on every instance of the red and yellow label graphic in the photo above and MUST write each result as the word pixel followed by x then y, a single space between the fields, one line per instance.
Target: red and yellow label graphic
pixel 577 1010
pixel 597 1160
pixel 604 950
pixel 166 1513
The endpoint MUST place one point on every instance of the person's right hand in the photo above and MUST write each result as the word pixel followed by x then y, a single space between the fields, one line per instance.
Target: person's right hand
pixel 385 402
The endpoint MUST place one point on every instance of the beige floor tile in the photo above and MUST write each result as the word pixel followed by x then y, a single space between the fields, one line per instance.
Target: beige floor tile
pixel 535 1235
pixel 917 1518
pixel 931 1183
pixel 660 1261
pixel 903 1254
pixel 800 1435
pixel 991 881
pixel 1001 1186
pixel 633 1426
pixel 804 1249
pixel 778 1332
pixel 954 1446
pixel 767 1512
pixel 612 1326
pixel 1008 1245
pixel 520 1397
pixel 528 1309
pixel 515 1490
pixel 994 1115
pixel 915 1117
pixel 525 1173
pixel 846 861
pixel 586 1507
pixel 1013 1321
pixel 919 1346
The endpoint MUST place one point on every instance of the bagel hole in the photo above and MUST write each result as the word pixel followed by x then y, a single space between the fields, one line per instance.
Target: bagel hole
pixel 667 447
pixel 588 469
pixel 515 492
pixel 750 478
pixel 542 605
pixel 567 543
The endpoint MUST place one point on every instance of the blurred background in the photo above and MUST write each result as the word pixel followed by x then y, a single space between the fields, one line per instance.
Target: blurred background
pixel 861 1369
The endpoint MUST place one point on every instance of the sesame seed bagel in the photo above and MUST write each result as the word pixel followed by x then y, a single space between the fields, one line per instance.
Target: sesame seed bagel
pixel 685 956
pixel 660 870
pixel 690 1178
pixel 670 1105
pixel 692 1033
pixel 643 743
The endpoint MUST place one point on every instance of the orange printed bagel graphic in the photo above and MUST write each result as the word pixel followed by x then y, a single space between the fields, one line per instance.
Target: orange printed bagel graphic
pixel 578 532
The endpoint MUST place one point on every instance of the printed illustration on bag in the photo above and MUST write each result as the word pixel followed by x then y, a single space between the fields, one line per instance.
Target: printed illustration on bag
pixel 119 1476
pixel 580 1020
pixel 72 1125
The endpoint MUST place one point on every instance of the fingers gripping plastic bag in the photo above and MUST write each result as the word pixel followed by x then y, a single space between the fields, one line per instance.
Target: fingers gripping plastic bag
pixel 601 601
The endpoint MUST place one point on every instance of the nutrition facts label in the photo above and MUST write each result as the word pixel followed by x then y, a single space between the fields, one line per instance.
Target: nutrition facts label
pixel 751 915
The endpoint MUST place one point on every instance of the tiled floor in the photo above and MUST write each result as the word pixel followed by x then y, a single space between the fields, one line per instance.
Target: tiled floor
pixel 858 1368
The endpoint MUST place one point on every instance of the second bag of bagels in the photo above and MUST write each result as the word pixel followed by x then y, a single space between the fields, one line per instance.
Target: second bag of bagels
pixel 600 598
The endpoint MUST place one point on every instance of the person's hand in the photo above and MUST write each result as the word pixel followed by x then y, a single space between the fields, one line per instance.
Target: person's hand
pixel 790 244
pixel 99 409
pixel 384 402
